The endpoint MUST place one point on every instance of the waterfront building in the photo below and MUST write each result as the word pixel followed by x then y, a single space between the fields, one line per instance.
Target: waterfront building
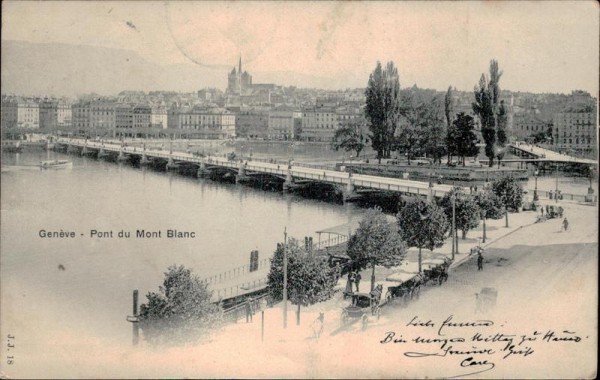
pixel 309 124
pixel 94 118
pixel 20 113
pixel 575 132
pixel 284 122
pixel 201 122
pixel 252 123
pixel 528 125
pixel 48 115
pixel 123 120
pixel 158 117
pixel 326 123
pixel 102 118
pixel 142 117
pixel 63 115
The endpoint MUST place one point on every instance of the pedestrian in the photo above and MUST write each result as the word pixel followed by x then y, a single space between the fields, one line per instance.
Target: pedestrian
pixel 349 284
pixel 542 208
pixel 565 224
pixel 357 280
pixel 480 261
pixel 249 310
pixel 546 209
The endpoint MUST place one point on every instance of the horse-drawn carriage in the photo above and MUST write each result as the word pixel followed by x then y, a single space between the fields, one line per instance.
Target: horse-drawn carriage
pixel 486 299
pixel 403 285
pixel 362 305
pixel 435 270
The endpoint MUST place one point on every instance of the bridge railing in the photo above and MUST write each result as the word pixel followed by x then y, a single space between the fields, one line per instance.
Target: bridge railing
pixel 237 312
pixel 564 196
pixel 236 272
pixel 330 242
pixel 239 289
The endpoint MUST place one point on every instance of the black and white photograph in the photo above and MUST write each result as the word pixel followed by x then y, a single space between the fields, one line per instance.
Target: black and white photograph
pixel 299 189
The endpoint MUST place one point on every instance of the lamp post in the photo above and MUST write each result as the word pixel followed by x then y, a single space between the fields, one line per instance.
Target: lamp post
pixel 556 192
pixel 505 208
pixel 285 295
pixel 454 242
pixel 535 194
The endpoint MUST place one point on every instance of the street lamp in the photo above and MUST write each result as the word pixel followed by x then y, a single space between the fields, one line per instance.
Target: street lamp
pixel 454 241
pixel 535 194
pixel 506 207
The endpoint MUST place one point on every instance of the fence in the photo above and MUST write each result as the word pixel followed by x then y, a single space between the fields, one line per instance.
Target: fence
pixel 235 272
pixel 330 242
pixel 240 289
pixel 563 196
pixel 238 311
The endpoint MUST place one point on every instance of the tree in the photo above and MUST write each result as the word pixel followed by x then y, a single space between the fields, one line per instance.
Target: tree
pixel 376 242
pixel 434 133
pixel 487 96
pixel 416 135
pixel 466 210
pixel 451 142
pixel 351 137
pixel 490 206
pixel 382 107
pixel 510 192
pixel 502 131
pixel 423 225
pixel 310 279
pixel 463 137
pixel 181 311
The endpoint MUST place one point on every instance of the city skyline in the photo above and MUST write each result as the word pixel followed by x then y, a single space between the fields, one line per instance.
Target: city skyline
pixel 334 45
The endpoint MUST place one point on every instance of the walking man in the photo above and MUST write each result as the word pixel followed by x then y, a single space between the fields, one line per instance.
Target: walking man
pixel 480 261
pixel 249 310
pixel 565 224
pixel 357 281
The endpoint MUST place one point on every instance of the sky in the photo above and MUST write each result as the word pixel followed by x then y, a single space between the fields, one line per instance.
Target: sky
pixel 540 46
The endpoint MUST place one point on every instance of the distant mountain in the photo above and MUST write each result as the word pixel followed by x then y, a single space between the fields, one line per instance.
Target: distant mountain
pixel 62 69
pixel 69 70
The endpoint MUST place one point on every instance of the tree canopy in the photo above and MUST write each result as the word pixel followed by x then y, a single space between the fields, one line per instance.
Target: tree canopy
pixel 382 109
pixel 376 242
pixel 510 192
pixel 466 210
pixel 181 311
pixel 490 205
pixel 486 106
pixel 310 279
pixel 352 137
pixel 462 137
pixel 422 224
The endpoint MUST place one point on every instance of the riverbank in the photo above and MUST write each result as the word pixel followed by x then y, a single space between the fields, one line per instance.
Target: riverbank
pixel 545 279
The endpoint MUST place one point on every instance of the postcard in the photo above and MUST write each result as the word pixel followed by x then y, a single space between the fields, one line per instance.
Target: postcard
pixel 259 189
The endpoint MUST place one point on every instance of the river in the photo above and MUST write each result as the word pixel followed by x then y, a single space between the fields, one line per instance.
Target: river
pixel 88 301
pixel 93 291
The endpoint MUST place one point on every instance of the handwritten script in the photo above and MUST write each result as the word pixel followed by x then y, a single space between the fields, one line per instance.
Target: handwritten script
pixel 476 344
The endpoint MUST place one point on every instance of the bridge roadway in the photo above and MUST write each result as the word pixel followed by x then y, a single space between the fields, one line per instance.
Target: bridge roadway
pixel 294 174
pixel 541 154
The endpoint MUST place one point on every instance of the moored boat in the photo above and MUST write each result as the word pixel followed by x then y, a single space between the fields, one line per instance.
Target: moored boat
pixel 56 164
pixel 12 146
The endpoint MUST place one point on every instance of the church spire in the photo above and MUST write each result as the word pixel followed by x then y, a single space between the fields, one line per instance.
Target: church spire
pixel 240 64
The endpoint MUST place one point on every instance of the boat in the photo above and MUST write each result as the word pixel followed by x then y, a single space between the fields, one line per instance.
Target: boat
pixel 56 164
pixel 12 146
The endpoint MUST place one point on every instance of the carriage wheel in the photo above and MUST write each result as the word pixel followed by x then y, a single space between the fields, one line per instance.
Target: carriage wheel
pixel 365 321
pixel 417 292
pixel 344 317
